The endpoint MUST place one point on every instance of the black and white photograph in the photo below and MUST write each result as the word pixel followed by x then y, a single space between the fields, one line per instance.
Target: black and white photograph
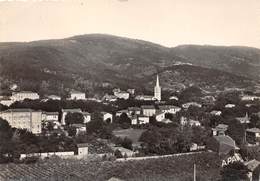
pixel 129 90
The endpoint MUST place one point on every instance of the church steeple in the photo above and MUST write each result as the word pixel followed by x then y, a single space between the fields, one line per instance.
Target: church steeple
pixel 157 89
pixel 157 81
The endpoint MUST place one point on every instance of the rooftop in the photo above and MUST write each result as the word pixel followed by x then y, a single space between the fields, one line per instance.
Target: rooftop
pixel 253 130
pixel 147 107
pixel 82 145
pixel 71 110
pixel 21 110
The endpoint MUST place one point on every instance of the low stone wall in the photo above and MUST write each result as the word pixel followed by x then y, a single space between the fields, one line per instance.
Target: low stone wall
pixel 69 154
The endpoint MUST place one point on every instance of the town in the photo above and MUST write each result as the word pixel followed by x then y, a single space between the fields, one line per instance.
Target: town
pixel 127 126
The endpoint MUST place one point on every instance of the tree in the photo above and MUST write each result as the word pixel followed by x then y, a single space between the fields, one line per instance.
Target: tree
pixel 127 143
pixel 234 172
pixel 254 121
pixel 74 118
pixel 72 131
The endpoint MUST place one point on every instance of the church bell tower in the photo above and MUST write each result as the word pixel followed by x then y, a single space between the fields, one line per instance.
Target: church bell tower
pixel 157 90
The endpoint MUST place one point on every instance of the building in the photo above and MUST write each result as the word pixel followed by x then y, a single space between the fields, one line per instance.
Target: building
pixel 53 97
pixel 134 120
pixel 6 101
pixel 225 144
pixel 82 150
pixel 220 130
pixel 51 116
pixel 160 116
pixel 230 105
pixel 76 95
pixel 109 98
pixel 87 117
pixel 185 121
pixel 142 119
pixel 216 113
pixel 20 96
pixel 148 110
pixel 134 110
pixel 66 111
pixel 174 98
pixel 24 119
pixel 169 109
pixel 108 117
pixel 253 136
pixel 249 97
pixel 145 98
pixel 122 94
pixel 188 104
pixel 131 91
pixel 157 90
pixel 119 113
pixel 80 128
pixel 243 120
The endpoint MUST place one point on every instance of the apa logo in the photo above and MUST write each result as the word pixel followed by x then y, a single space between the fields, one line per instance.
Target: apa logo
pixel 231 159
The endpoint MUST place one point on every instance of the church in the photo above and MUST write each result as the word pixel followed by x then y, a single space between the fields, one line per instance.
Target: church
pixel 157 93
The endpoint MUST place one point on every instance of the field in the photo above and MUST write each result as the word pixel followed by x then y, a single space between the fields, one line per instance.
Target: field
pixel 133 134
pixel 163 169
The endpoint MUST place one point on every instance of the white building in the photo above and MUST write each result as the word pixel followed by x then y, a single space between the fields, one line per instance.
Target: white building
pixel 249 97
pixel 148 110
pixel 76 95
pixel 52 116
pixel 174 98
pixel 145 98
pixel 188 104
pixel 185 121
pixel 169 109
pixel 24 119
pixel 142 119
pixel 6 102
pixel 20 96
pixel 157 90
pixel 216 113
pixel 230 105
pixel 107 117
pixel 87 117
pixel 160 116
pixel 122 94
pixel 54 97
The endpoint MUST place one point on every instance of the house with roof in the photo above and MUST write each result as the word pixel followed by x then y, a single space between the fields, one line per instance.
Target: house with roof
pixel 253 136
pixel 230 105
pixel 120 112
pixel 169 109
pixel 184 121
pixel 188 104
pixel 219 130
pixel 108 117
pixel 224 145
pixel 148 110
pixel 142 119
pixel 145 98
pixel 22 95
pixel 53 97
pixel 80 128
pixel 216 113
pixel 243 120
pixel 6 101
pixel 28 119
pixel 122 94
pixel 134 110
pixel 249 97
pixel 77 95
pixel 160 116
pixel 109 98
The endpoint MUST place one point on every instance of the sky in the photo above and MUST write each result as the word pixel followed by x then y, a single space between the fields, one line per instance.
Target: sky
pixel 167 22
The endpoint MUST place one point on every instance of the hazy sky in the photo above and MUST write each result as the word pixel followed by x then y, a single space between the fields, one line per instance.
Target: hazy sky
pixel 168 22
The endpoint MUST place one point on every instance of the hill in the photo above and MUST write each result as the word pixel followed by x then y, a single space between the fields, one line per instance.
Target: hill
pixel 87 62
pixel 243 61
